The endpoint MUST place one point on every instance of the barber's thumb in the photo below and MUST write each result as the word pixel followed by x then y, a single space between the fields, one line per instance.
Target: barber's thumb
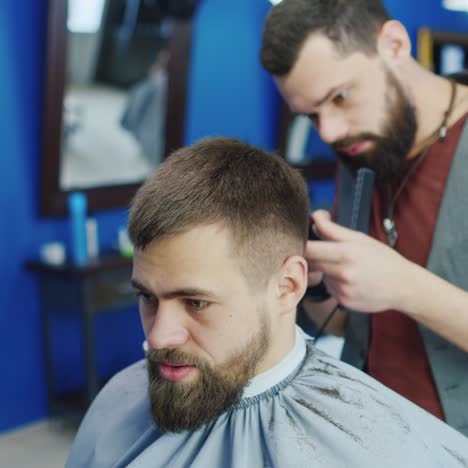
pixel 329 230
pixel 322 223
pixel 321 214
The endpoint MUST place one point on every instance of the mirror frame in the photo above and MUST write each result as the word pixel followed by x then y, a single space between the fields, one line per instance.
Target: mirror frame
pixel 53 200
pixel 317 169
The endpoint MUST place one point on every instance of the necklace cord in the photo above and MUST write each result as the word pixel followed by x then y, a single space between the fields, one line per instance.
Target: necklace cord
pixel 442 132
pixel 448 112
pixel 322 327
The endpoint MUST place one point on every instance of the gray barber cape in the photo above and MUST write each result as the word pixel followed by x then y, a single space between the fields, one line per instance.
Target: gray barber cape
pixel 310 410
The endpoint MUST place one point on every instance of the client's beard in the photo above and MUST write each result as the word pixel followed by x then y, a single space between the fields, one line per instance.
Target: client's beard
pixel 389 155
pixel 180 406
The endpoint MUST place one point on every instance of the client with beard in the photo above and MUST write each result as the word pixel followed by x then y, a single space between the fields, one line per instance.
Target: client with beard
pixel 219 232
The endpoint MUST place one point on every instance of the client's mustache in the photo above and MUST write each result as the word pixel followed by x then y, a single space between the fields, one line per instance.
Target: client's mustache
pixel 156 356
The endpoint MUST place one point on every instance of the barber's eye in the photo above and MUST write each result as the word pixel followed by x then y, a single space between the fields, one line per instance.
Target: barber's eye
pixel 196 304
pixel 341 97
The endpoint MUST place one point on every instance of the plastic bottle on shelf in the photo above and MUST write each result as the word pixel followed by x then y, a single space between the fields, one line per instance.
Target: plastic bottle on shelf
pixel 77 207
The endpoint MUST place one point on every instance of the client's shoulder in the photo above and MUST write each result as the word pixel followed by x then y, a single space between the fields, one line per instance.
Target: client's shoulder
pixel 116 418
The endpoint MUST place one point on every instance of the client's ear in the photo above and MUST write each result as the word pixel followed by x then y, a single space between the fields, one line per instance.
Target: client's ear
pixel 292 282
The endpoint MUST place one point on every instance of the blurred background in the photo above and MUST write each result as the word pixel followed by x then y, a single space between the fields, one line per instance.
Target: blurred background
pixel 93 95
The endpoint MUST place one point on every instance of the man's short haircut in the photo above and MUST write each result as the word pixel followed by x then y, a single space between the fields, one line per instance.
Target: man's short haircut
pixel 256 195
pixel 352 25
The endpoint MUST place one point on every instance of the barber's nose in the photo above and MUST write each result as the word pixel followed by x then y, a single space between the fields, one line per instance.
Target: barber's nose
pixel 332 127
pixel 168 329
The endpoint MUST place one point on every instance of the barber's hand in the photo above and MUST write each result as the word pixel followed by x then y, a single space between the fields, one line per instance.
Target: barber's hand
pixel 361 273
pixel 314 278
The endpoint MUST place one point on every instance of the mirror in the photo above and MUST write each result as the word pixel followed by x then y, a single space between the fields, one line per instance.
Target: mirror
pixel 445 53
pixel 301 146
pixel 115 96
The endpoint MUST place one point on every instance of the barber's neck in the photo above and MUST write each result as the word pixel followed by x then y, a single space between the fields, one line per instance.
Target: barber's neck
pixel 431 95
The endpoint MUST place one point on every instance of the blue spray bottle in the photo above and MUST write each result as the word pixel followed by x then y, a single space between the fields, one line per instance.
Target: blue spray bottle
pixel 77 207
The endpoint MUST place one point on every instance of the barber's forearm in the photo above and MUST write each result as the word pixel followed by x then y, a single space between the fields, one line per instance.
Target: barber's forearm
pixel 437 304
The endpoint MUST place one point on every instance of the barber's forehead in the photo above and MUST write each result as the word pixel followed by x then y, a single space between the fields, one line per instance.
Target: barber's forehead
pixel 320 41
pixel 317 69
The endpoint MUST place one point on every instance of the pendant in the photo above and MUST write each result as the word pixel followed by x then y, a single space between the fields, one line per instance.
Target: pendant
pixel 390 231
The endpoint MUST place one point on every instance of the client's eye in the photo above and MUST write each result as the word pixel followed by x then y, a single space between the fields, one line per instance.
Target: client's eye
pixel 146 298
pixel 197 304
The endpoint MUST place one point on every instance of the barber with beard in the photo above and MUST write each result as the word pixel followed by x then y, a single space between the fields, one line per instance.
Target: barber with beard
pixel 348 67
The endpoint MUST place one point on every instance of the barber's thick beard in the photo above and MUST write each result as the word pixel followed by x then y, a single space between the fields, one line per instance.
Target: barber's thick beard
pixel 389 156
pixel 179 406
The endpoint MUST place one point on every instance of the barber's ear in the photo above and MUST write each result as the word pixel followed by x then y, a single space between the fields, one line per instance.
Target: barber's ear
pixel 393 41
pixel 292 282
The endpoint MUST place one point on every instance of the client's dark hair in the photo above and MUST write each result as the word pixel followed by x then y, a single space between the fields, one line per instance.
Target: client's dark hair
pixel 261 200
pixel 350 24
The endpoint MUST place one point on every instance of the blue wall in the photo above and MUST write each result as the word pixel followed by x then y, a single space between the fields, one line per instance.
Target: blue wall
pixel 243 97
pixel 229 95
pixel 417 13
pixel 22 388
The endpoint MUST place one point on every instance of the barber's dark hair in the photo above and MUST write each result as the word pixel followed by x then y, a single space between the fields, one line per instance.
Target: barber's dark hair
pixel 351 25
pixel 256 195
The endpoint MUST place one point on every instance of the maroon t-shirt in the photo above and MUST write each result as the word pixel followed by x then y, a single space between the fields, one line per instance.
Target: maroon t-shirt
pixel 397 356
